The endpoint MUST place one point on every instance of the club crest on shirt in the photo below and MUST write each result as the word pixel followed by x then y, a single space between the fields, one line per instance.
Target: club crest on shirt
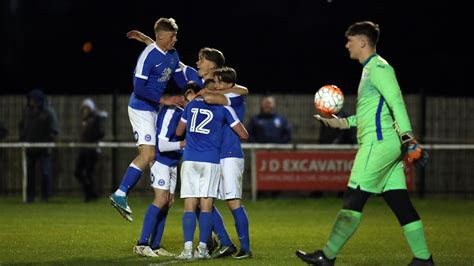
pixel 165 75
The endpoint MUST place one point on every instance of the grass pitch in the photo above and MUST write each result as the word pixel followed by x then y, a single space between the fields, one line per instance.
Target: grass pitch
pixel 70 232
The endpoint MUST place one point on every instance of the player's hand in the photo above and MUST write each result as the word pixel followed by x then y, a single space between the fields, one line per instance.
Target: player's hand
pixel 182 144
pixel 334 122
pixel 201 92
pixel 415 154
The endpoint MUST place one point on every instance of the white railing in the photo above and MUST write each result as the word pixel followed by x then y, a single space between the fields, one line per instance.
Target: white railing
pixel 247 146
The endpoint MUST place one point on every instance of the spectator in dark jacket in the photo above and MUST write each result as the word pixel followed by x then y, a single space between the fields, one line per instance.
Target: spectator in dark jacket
pixel 92 131
pixel 38 124
pixel 268 126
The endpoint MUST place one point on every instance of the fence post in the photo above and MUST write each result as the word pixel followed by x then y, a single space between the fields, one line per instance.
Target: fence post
pixel 25 174
pixel 253 174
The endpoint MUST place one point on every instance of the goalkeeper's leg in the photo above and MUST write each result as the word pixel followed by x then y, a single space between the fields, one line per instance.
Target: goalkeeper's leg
pixel 400 203
pixel 347 221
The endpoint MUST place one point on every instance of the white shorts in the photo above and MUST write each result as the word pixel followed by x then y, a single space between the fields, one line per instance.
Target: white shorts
pixel 199 179
pixel 230 186
pixel 143 125
pixel 163 176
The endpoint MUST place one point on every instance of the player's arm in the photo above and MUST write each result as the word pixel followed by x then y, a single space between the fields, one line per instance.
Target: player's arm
pixel 234 122
pixel 181 128
pixel 384 79
pixel 166 145
pixel 139 36
pixel 240 130
pixel 213 97
pixel 237 89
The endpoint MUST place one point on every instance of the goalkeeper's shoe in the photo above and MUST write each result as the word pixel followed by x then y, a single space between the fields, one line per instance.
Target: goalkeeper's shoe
pixel 316 258
pixel 420 262
pixel 163 252
pixel 120 204
pixel 145 251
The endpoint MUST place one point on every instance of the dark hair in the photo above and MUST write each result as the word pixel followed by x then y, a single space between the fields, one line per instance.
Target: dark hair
pixel 191 86
pixel 166 24
pixel 213 55
pixel 366 28
pixel 226 74
pixel 207 83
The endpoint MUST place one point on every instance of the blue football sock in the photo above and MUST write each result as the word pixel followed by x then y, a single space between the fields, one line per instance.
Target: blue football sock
pixel 205 226
pixel 159 229
pixel 149 224
pixel 242 227
pixel 189 226
pixel 219 228
pixel 130 178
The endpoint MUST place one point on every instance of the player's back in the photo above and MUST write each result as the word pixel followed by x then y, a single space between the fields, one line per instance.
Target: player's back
pixel 204 130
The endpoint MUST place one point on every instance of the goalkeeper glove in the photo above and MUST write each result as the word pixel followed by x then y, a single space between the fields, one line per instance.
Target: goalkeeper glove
pixel 415 154
pixel 335 122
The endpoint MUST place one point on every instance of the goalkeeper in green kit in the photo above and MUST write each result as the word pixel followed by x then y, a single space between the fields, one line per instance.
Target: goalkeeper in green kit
pixel 385 136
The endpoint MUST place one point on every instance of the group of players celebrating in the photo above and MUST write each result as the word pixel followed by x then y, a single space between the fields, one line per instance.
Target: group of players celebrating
pixel 203 127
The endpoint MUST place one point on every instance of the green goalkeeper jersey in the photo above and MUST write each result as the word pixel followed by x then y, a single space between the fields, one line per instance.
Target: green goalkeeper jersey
pixel 379 103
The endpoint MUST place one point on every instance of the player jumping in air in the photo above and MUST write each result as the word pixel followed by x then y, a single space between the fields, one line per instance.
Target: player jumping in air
pixel 156 64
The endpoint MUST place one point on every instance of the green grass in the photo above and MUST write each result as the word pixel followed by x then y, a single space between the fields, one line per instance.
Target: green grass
pixel 70 232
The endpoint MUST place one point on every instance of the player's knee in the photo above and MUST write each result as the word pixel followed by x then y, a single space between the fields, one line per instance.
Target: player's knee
pixel 355 199
pixel 233 204
pixel 161 199
pixel 147 154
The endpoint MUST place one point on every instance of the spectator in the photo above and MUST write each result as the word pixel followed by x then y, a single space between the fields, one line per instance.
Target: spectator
pixel 38 124
pixel 268 126
pixel 92 130
pixel 329 135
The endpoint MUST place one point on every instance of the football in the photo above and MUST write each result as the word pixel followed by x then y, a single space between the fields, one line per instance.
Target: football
pixel 328 100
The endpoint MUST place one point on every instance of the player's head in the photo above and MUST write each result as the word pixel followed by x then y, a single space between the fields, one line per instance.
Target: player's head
pixel 362 38
pixel 190 91
pixel 209 84
pixel 268 104
pixel 166 31
pixel 225 77
pixel 209 59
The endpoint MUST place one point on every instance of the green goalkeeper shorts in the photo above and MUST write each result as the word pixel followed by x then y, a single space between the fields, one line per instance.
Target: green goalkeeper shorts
pixel 378 167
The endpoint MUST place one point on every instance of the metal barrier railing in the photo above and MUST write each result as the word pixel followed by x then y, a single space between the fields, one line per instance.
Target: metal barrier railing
pixel 247 146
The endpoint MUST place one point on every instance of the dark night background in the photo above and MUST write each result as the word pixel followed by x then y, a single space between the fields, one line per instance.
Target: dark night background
pixel 276 46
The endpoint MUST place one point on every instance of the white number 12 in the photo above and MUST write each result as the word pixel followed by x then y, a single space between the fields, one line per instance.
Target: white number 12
pixel 200 127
